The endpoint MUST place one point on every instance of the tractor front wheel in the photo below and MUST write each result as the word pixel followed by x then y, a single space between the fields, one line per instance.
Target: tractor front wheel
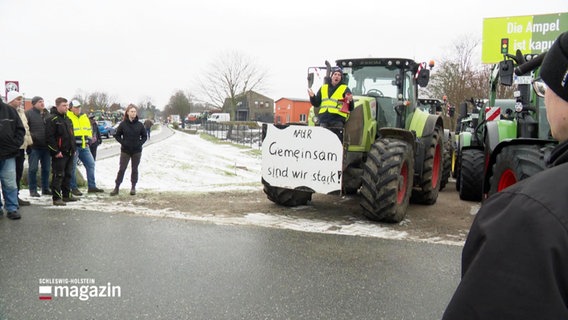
pixel 515 163
pixel 472 162
pixel 387 181
pixel 286 197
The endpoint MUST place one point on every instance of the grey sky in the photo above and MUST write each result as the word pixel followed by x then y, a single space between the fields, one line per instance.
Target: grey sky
pixel 138 49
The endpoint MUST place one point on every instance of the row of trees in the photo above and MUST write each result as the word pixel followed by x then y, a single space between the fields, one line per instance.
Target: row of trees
pixel 457 77
pixel 102 102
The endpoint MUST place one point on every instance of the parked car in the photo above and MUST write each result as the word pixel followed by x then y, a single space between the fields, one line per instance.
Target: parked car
pixel 106 128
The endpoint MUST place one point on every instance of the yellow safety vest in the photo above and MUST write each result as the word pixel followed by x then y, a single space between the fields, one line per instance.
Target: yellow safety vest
pixel 81 127
pixel 332 104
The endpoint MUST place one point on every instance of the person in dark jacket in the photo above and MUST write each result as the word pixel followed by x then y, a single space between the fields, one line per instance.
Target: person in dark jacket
pixel 329 99
pixel 131 135
pixel 97 138
pixel 16 99
pixel 61 143
pixel 39 152
pixel 515 258
pixel 12 132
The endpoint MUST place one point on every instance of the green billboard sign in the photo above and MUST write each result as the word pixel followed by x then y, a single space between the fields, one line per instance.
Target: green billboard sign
pixel 530 34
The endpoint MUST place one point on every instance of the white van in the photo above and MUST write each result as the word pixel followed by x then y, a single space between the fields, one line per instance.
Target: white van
pixel 219 117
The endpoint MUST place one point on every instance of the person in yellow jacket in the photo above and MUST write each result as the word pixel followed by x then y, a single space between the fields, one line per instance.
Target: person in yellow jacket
pixel 329 99
pixel 83 139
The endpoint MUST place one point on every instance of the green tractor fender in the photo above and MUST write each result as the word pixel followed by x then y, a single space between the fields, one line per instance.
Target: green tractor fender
pixel 424 123
pixel 464 140
pixel 498 131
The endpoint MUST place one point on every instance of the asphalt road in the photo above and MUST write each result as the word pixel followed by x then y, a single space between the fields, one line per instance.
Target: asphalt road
pixel 180 269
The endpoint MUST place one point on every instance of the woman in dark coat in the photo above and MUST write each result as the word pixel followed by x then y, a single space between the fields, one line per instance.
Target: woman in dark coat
pixel 131 135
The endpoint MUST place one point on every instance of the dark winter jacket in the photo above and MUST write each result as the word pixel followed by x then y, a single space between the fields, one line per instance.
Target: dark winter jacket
pixel 59 134
pixel 36 122
pixel 96 133
pixel 12 132
pixel 515 259
pixel 131 135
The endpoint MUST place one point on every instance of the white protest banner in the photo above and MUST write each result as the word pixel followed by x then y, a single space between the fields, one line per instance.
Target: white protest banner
pixel 302 156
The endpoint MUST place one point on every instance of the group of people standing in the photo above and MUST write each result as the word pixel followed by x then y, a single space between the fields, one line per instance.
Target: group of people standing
pixel 57 140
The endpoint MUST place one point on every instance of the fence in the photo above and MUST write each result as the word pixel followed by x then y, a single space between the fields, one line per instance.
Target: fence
pixel 241 132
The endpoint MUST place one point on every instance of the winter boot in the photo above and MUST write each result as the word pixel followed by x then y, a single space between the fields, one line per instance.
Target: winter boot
pixel 114 192
pixel 133 191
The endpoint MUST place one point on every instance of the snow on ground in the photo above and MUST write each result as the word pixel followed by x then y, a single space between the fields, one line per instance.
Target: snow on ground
pixel 186 162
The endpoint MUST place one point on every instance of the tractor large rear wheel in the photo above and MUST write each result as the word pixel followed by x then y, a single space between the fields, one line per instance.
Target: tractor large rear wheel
pixel 472 162
pixel 515 163
pixel 427 191
pixel 387 180
pixel 286 197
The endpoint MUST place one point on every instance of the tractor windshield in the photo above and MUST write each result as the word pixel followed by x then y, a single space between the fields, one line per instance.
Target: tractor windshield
pixel 374 81
pixel 378 82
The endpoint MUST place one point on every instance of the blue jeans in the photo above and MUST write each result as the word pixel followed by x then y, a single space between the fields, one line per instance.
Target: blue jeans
pixel 35 157
pixel 84 154
pixel 9 185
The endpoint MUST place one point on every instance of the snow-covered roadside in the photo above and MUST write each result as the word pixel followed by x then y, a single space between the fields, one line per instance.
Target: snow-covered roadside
pixel 188 163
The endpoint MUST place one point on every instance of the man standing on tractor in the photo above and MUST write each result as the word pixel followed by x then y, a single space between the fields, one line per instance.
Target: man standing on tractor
pixel 330 99
pixel 515 257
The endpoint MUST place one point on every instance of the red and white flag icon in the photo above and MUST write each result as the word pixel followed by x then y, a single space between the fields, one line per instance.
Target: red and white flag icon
pixel 492 113
pixel 44 292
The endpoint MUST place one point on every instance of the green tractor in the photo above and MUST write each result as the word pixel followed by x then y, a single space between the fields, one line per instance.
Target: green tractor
pixel 502 141
pixel 470 143
pixel 391 153
pixel 516 147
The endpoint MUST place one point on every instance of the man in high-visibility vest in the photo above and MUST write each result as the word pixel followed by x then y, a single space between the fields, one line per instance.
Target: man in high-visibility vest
pixel 83 138
pixel 330 98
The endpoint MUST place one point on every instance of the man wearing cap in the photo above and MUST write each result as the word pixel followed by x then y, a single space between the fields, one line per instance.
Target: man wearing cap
pixel 36 117
pixel 83 139
pixel 515 258
pixel 12 132
pixel 15 100
pixel 329 99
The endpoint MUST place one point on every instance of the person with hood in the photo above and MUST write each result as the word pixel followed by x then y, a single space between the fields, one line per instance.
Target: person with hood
pixel 15 100
pixel 329 99
pixel 61 143
pixel 515 258
pixel 12 132
pixel 131 135
pixel 39 152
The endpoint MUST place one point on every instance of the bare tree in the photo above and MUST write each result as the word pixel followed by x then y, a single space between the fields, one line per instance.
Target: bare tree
pixel 458 77
pixel 179 104
pixel 96 101
pixel 232 74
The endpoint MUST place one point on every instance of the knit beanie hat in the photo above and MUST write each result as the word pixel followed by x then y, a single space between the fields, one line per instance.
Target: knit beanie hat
pixel 12 95
pixel 36 99
pixel 554 68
